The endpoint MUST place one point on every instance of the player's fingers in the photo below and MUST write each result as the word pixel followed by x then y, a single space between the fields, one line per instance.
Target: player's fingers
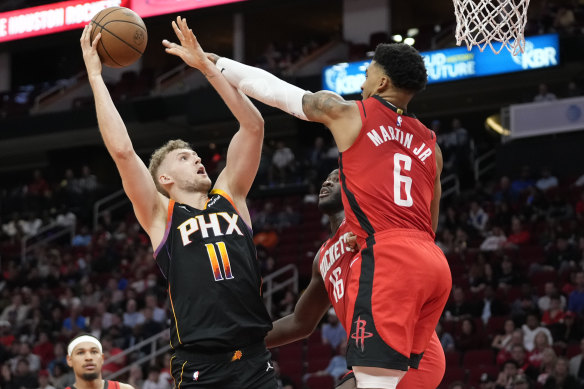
pixel 177 31
pixel 96 39
pixel 84 33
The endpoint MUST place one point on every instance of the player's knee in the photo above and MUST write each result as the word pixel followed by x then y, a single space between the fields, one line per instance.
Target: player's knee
pixel 377 378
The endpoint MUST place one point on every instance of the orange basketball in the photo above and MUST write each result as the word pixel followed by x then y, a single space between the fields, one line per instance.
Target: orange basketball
pixel 123 36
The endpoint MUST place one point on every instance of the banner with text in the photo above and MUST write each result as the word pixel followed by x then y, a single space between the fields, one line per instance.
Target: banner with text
pixel 455 64
pixel 51 18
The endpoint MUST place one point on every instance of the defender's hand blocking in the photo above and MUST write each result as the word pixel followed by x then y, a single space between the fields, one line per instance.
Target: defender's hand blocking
pixel 189 49
pixel 90 56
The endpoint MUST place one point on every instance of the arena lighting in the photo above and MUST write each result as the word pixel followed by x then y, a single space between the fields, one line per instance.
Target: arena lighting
pixel 409 41
pixel 493 123
pixel 412 32
pixel 397 38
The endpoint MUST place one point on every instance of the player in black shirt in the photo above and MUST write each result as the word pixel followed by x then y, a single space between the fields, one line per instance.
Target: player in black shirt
pixel 202 239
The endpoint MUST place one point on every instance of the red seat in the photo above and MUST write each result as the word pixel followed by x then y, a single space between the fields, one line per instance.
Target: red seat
pixel 452 374
pixel 475 373
pixel 495 324
pixel 474 358
pixel 452 358
pixel 572 350
pixel 292 351
pixel 320 382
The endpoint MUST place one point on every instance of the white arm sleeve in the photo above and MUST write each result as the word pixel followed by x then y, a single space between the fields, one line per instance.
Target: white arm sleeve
pixel 263 86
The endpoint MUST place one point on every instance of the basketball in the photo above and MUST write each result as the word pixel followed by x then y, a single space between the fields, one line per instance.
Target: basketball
pixel 123 36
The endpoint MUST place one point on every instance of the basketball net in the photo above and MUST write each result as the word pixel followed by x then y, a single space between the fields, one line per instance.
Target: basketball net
pixel 484 22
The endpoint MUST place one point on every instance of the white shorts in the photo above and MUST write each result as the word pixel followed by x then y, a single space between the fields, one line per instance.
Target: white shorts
pixel 377 377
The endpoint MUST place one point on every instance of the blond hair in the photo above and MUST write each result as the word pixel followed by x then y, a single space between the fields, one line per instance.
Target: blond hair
pixel 158 156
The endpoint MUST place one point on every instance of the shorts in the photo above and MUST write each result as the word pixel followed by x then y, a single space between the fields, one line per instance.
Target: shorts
pixel 251 367
pixel 394 298
pixel 428 375
pixel 431 369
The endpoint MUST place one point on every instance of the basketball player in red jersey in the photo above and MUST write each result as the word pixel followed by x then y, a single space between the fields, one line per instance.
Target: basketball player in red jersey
pixel 85 357
pixel 202 239
pixel 390 169
pixel 330 271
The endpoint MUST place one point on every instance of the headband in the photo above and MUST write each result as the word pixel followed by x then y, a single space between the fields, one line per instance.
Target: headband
pixel 81 339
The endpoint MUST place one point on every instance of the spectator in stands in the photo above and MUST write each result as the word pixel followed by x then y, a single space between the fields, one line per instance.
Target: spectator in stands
pixel 508 372
pixel 544 94
pixel 59 358
pixel 458 308
pixel 118 332
pixel 82 238
pixel 477 217
pixel 573 90
pixel 521 381
pixel 561 378
pixel 576 364
pixel 495 240
pixel 155 380
pixel 468 338
pixel 282 163
pixel 75 322
pixel 44 382
pixel 21 378
pixel 546 181
pixel 62 376
pixel 490 305
pixel 132 317
pixel 446 339
pixel 106 316
pixel 136 377
pixel 503 193
pixel 570 332
pixel 548 363
pixel 507 276
pixel 149 327
pixel 520 185
pixel 33 362
pixel 576 298
pixel 37 192
pixel 44 348
pixel 109 350
pixel 501 341
pixel 158 314
pixel 555 314
pixel 336 368
pixel 16 312
pixel 565 20
pixel 519 235
pixel 535 356
pixel 88 181
pixel 486 381
pixel 519 356
pixel 288 303
pixel 332 332
pixel 531 328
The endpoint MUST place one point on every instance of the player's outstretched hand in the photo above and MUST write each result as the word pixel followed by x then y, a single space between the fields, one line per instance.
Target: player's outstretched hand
pixel 90 56
pixel 189 49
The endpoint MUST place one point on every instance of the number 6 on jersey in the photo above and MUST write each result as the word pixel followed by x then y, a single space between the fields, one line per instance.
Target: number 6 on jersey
pixel 398 179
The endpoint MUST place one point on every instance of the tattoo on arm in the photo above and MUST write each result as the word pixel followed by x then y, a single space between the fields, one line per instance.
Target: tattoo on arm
pixel 321 105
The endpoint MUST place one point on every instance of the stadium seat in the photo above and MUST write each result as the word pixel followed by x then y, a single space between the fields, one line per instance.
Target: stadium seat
pixel 473 358
pixel 320 382
pixel 474 374
pixel 452 374
pixel 452 358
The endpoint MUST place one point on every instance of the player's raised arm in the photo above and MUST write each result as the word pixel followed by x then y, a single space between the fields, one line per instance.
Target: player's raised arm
pixel 340 116
pixel 308 312
pixel 137 181
pixel 244 151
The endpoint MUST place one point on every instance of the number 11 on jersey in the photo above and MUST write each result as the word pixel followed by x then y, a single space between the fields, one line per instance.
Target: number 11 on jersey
pixel 215 261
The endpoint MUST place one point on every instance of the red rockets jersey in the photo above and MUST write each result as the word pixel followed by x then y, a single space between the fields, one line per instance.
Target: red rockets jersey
pixel 334 261
pixel 387 175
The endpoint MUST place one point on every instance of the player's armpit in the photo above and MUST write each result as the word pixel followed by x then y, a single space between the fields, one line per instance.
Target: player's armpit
pixel 340 116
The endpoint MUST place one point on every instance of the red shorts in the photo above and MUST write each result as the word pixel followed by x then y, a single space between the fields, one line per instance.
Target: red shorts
pixel 431 369
pixel 395 295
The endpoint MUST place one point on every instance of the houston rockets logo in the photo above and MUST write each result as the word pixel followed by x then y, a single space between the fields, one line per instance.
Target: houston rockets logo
pixel 360 335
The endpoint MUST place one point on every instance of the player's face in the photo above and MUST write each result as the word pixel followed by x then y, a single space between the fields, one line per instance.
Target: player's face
pixel 373 76
pixel 329 197
pixel 86 361
pixel 183 168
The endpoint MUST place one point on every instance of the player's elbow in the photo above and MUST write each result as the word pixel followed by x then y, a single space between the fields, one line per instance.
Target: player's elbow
pixel 122 152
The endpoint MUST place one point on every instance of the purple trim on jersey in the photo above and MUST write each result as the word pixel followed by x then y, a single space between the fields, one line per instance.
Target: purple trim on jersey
pixel 167 230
